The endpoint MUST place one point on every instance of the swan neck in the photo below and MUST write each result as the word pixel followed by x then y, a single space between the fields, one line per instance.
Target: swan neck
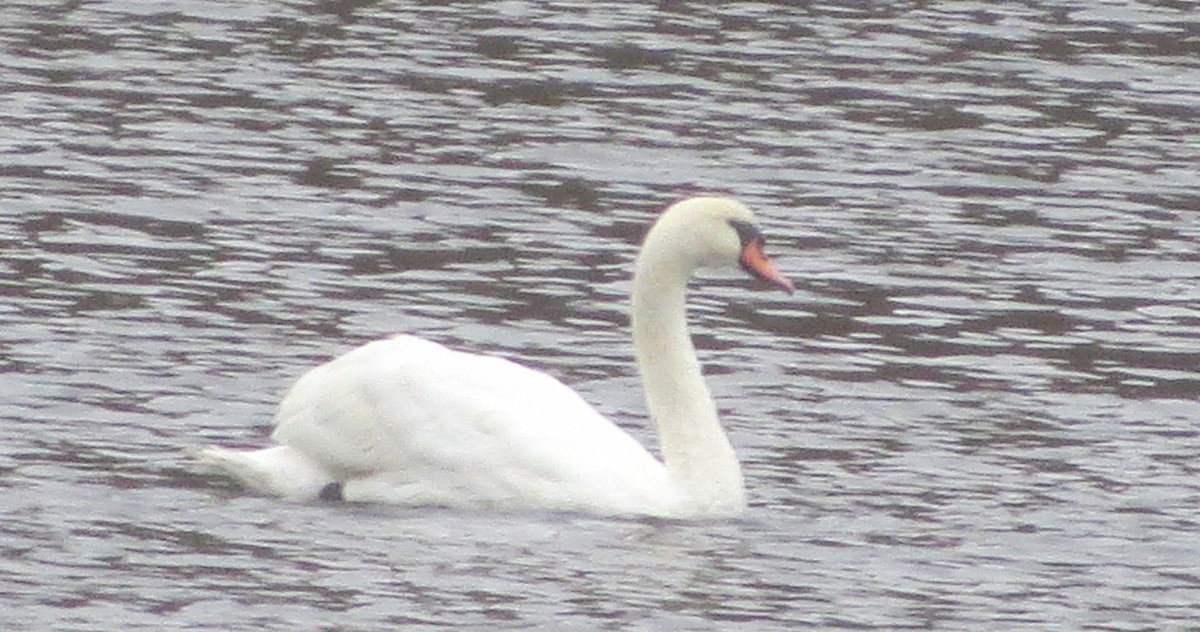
pixel 696 452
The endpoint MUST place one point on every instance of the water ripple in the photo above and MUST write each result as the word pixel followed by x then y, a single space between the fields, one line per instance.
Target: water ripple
pixel 978 412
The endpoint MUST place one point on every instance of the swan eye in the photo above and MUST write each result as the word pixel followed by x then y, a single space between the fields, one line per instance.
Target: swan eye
pixel 747 233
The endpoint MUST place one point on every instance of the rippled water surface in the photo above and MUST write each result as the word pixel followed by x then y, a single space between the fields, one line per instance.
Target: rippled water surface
pixel 980 411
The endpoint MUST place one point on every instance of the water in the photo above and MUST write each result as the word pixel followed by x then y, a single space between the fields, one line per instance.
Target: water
pixel 979 411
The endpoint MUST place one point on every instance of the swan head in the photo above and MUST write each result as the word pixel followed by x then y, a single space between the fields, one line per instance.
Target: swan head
pixel 712 232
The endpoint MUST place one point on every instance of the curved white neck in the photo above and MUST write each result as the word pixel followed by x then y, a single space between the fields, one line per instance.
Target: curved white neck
pixel 696 452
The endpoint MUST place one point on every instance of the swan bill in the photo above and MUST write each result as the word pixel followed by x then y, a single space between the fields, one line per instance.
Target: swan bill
pixel 755 262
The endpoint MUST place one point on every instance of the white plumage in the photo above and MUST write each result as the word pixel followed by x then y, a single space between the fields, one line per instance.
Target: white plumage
pixel 408 421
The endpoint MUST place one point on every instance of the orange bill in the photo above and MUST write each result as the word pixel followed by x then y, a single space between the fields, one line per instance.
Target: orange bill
pixel 755 261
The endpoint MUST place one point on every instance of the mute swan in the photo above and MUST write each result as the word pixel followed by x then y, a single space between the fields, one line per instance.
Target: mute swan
pixel 408 421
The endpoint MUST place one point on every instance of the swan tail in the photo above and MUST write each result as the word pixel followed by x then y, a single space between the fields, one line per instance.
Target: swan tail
pixel 278 471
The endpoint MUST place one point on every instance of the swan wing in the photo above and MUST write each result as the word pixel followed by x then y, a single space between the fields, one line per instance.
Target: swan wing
pixel 408 420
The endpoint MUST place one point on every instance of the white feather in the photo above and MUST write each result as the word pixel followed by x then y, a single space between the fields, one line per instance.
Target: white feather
pixel 469 429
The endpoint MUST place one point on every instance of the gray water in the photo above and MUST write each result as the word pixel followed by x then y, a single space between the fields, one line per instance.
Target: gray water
pixel 979 412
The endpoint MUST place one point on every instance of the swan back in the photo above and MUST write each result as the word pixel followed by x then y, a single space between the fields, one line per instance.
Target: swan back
pixel 408 421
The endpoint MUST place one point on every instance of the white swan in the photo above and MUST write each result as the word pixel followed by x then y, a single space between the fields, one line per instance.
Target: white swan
pixel 408 421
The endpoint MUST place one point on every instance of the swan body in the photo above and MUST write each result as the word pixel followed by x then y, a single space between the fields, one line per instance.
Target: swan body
pixel 408 421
